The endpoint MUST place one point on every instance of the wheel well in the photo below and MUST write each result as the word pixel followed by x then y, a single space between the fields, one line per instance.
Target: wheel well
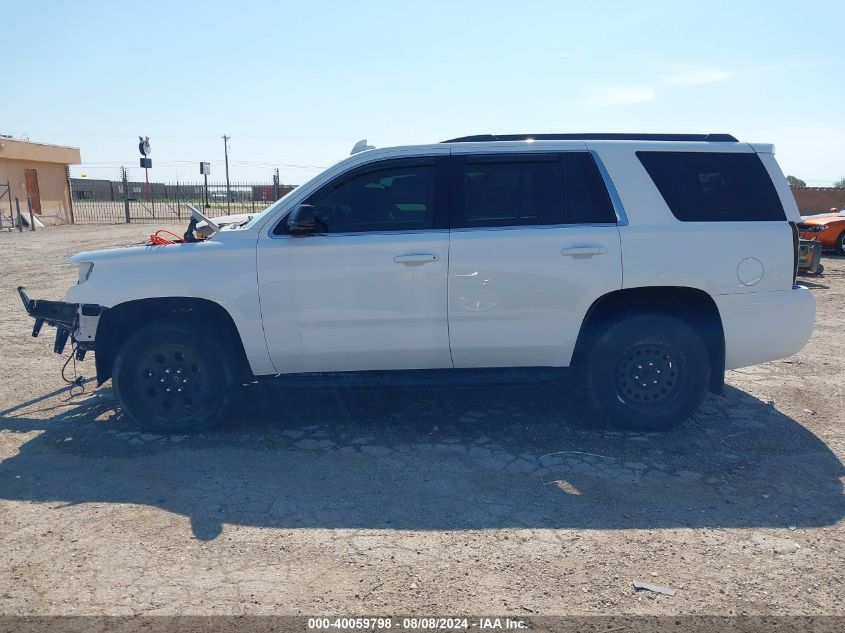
pixel 121 321
pixel 694 306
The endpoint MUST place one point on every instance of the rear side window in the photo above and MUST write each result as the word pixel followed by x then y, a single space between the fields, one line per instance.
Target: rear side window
pixel 513 191
pixel 714 186
pixel 586 198
pixel 533 190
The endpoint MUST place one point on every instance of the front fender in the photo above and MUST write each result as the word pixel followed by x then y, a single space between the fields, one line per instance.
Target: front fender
pixel 220 271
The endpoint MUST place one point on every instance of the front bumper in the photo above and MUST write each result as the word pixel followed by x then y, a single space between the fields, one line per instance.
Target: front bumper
pixel 71 320
pixel 826 237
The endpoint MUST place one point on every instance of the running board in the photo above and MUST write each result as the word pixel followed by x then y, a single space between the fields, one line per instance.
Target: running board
pixel 516 377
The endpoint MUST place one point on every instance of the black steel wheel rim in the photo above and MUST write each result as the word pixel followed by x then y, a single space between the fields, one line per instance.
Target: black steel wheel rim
pixel 648 374
pixel 172 381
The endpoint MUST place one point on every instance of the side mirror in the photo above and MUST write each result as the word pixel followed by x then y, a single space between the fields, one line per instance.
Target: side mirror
pixel 302 220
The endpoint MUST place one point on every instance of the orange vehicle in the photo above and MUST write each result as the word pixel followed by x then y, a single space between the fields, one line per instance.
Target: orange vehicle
pixel 827 228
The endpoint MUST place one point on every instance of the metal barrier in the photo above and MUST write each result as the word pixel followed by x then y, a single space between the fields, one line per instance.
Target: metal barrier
pixel 118 201
pixel 6 192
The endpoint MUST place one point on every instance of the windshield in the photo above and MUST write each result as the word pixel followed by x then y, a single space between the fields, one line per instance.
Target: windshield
pixel 258 217
pixel 271 208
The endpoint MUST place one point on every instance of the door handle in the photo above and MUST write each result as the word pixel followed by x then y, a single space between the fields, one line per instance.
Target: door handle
pixel 583 251
pixel 419 258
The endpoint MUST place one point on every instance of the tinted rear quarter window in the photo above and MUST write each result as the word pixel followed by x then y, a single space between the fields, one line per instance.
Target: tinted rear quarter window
pixel 714 186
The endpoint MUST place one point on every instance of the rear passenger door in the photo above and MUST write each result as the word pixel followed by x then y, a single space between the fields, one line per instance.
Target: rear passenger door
pixel 534 241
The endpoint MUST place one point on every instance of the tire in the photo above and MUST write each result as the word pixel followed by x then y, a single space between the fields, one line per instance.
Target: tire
pixel 647 372
pixel 840 244
pixel 170 378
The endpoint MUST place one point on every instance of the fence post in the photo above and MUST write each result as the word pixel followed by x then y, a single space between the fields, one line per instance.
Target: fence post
pixel 31 219
pixel 20 217
pixel 125 193
pixel 69 193
pixel 11 210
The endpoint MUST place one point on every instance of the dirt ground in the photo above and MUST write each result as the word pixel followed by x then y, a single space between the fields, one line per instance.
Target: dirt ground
pixel 415 501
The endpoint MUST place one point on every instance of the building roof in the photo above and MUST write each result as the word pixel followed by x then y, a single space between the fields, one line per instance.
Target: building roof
pixel 13 149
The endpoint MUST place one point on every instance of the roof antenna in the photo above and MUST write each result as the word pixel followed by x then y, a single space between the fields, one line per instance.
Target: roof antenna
pixel 361 146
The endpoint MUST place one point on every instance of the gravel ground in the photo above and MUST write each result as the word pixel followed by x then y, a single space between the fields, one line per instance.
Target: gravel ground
pixel 451 501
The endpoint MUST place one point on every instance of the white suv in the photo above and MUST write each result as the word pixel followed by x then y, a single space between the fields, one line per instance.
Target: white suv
pixel 649 263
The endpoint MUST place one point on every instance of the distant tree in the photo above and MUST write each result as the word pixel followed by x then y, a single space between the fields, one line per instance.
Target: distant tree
pixel 795 183
pixel 840 183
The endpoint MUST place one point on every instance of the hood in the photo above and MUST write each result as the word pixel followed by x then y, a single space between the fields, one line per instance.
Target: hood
pixel 226 220
pixel 822 218
pixel 140 252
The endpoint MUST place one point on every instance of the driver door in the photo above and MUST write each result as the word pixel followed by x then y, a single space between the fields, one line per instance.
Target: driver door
pixel 366 290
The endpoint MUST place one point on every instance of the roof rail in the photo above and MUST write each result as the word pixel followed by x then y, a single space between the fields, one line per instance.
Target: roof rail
pixel 489 138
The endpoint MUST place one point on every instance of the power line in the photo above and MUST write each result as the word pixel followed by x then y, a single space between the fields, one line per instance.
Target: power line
pixel 245 163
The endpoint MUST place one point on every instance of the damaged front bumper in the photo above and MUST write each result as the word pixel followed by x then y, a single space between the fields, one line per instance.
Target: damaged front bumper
pixel 71 320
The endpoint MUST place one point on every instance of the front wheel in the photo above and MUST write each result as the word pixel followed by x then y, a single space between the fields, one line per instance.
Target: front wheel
pixel 170 378
pixel 647 372
pixel 840 244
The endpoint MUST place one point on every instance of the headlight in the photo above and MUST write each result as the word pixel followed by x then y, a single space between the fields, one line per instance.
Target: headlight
pixel 811 228
pixel 85 270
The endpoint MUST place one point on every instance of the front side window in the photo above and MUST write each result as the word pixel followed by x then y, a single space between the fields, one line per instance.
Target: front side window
pixel 393 197
pixel 714 186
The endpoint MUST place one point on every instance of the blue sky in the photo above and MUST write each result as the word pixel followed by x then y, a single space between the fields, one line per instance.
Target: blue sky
pixel 296 84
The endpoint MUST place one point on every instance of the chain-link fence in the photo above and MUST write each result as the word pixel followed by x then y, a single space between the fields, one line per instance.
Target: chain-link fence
pixel 113 201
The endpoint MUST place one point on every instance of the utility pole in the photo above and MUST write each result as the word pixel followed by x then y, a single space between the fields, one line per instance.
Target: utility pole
pixel 228 189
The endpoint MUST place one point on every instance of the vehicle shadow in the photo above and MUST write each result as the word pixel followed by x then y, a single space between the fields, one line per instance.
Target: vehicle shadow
pixel 812 282
pixel 457 458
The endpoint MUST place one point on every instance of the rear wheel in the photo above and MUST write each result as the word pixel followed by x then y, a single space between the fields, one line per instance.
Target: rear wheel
pixel 170 378
pixel 647 372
